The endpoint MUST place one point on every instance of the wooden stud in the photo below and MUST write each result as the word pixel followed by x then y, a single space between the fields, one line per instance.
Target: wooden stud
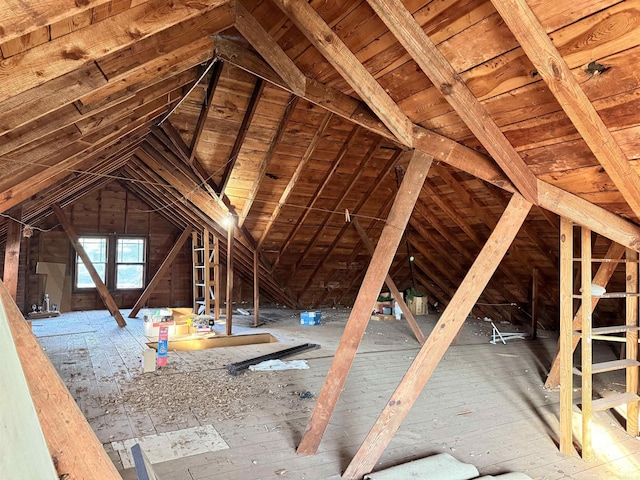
pixel 73 446
pixel 162 270
pixel 102 289
pixel 601 278
pixel 587 346
pixel 565 370
pixel 392 286
pixel 256 288
pixel 413 38
pixel 206 272
pixel 12 251
pixel 195 275
pixel 632 339
pixel 361 312
pixel 346 63
pixel 565 87
pixel 443 333
pixel 229 297
pixel 216 277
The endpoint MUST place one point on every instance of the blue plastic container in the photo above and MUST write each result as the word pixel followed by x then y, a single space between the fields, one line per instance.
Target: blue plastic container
pixel 310 318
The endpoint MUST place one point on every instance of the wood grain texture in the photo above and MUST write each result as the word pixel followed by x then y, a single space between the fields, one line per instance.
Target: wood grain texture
pixel 588 452
pixel 413 38
pixel 374 278
pixel 12 251
pixel 441 337
pixel 631 345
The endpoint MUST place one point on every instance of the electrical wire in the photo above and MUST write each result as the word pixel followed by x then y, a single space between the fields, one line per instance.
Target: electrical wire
pixel 26 225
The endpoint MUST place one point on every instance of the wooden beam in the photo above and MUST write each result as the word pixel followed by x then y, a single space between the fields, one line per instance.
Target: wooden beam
pixel 413 38
pixel 392 286
pixel 229 296
pixel 74 448
pixel 256 288
pixel 550 197
pixel 534 303
pixel 565 87
pixel 162 270
pixel 266 161
pixel 631 346
pixel 586 360
pixel 242 134
pixel 441 337
pixel 206 106
pixel 294 178
pixel 72 51
pixel 347 64
pixel 12 251
pixel 565 358
pixel 601 278
pixel 268 48
pixel 216 277
pixel 357 323
pixel 100 286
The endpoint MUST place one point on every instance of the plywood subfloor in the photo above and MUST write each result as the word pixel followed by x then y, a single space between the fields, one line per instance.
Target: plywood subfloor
pixel 485 404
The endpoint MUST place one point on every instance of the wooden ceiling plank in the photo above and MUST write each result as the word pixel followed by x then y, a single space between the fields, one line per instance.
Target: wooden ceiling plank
pixel 316 195
pixel 556 73
pixel 413 38
pixel 336 205
pixel 386 249
pixel 346 63
pixel 266 161
pixel 206 106
pixel 102 289
pixel 65 54
pixel 48 97
pixel 241 135
pixel 295 177
pixel 269 49
pixel 16 20
pixel 443 334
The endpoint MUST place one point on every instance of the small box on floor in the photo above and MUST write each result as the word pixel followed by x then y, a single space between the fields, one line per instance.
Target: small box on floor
pixel 310 318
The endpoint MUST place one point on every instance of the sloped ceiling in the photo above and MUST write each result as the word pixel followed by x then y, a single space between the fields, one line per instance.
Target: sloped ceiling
pixel 201 118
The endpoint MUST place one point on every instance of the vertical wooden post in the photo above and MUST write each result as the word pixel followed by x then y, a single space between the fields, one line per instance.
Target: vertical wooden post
pixel 229 311
pixel 12 251
pixel 206 272
pixel 378 268
pixel 216 277
pixel 256 287
pixel 164 268
pixel 632 339
pixel 587 353
pixel 103 291
pixel 566 336
pixel 440 338
pixel 534 304
pixel 195 262
pixel 72 444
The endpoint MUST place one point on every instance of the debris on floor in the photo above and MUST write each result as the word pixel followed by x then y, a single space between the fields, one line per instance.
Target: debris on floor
pixel 272 365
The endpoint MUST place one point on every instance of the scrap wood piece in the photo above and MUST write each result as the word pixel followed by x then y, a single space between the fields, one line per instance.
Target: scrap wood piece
pixel 235 368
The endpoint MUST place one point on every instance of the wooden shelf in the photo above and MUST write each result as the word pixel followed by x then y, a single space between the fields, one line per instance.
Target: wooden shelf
pixel 614 401
pixel 612 295
pixel 610 329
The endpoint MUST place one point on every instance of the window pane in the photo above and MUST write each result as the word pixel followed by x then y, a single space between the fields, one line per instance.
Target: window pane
pixel 129 276
pixel 130 250
pixel 96 248
pixel 83 279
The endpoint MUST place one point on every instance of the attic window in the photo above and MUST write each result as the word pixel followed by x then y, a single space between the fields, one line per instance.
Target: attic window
pixel 119 261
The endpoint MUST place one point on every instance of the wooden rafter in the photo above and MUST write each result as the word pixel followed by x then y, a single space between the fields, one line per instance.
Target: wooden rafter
pixel 414 39
pixel 441 337
pixel 267 47
pixel 206 106
pixel 295 177
pixel 357 323
pixel 551 198
pixel 241 135
pixel 556 73
pixel 317 195
pixel 345 62
pixel 12 251
pixel 102 289
pixel 266 161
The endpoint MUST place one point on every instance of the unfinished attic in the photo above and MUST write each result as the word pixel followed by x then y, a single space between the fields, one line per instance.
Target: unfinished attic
pixel 248 165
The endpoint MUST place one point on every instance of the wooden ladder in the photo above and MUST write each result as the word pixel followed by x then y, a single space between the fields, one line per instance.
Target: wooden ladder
pixel 206 272
pixel 587 334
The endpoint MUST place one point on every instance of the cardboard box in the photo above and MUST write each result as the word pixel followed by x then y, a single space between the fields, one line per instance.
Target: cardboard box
pixel 418 305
